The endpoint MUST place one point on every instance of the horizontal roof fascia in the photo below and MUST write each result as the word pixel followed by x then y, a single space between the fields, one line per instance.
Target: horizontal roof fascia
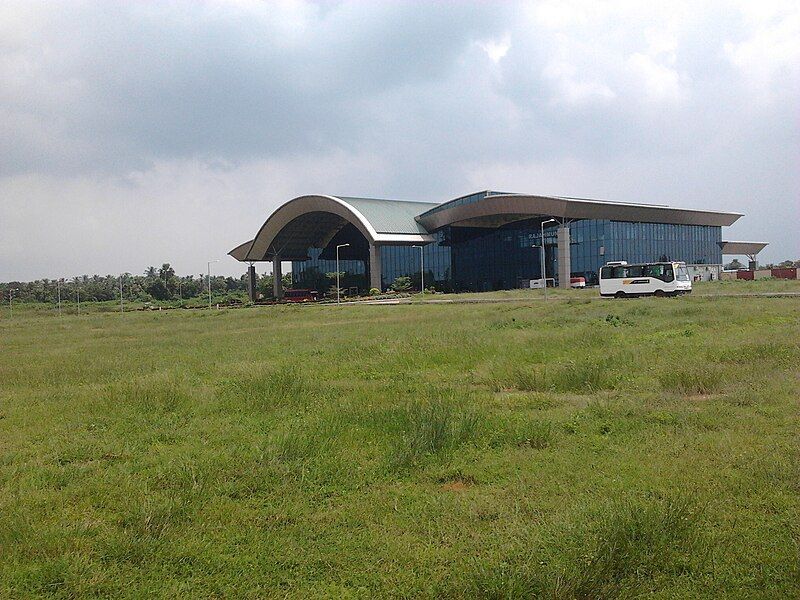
pixel 521 206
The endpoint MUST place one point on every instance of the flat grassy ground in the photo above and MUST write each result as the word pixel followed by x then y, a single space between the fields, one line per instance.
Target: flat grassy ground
pixel 572 449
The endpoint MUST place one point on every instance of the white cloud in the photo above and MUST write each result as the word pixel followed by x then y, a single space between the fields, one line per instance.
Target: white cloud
pixel 770 54
pixel 572 90
pixel 496 49
pixel 659 81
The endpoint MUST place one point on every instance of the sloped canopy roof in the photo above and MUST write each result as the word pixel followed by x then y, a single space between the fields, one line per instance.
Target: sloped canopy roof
pixel 742 248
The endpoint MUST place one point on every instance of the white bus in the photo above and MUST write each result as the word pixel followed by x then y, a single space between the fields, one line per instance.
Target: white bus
pixel 619 279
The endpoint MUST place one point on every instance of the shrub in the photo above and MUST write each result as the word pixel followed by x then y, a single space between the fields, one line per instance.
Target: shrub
pixel 401 284
pixel 374 291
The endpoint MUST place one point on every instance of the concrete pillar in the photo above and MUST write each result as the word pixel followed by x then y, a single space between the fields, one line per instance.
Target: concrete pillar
pixel 564 258
pixel 277 274
pixel 251 282
pixel 375 267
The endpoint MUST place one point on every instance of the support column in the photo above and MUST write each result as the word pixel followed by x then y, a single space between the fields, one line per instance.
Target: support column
pixel 375 267
pixel 277 275
pixel 251 282
pixel 564 258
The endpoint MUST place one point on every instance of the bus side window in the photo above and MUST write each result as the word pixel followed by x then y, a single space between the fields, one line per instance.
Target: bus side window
pixel 619 272
pixel 668 274
pixel 605 272
pixel 656 271
pixel 635 271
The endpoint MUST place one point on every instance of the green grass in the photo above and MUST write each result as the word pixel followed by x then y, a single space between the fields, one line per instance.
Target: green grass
pixel 574 449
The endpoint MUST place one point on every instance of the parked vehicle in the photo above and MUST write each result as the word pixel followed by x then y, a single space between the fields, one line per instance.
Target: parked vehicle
pixel 577 282
pixel 538 284
pixel 620 279
pixel 300 295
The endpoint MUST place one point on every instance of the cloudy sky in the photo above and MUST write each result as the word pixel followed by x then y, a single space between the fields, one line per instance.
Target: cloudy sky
pixel 138 133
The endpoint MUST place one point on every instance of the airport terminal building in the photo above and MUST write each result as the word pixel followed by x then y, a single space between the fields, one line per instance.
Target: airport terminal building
pixel 480 242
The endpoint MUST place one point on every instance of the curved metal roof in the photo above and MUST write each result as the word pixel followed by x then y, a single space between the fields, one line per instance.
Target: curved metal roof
pixel 391 216
pixel 312 221
pixel 494 210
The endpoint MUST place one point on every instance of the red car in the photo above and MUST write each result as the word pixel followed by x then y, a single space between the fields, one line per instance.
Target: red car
pixel 300 295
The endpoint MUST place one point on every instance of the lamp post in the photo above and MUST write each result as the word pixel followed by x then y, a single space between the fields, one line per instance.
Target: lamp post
pixel 338 287
pixel 541 262
pixel 209 282
pixel 10 305
pixel 121 303
pixel 421 270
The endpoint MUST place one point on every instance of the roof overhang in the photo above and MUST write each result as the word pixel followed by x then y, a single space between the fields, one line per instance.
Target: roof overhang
pixel 240 252
pixel 500 209
pixel 742 248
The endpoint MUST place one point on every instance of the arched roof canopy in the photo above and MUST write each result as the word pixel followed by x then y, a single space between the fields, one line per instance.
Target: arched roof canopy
pixel 312 221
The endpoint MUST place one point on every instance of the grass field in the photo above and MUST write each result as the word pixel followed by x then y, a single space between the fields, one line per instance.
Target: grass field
pixel 569 449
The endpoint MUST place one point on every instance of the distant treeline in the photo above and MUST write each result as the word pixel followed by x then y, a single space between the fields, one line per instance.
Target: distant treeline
pixel 786 264
pixel 160 284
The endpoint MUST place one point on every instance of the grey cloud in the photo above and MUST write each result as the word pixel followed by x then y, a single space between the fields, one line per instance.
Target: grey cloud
pixel 126 83
pixel 261 101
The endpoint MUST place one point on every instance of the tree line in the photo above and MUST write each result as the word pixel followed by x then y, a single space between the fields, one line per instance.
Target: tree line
pixel 735 265
pixel 155 284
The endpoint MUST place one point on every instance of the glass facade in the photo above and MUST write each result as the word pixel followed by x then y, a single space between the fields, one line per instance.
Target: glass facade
pixel 596 242
pixel 404 261
pixel 502 258
pixel 353 263
pixel 312 273
pixel 482 259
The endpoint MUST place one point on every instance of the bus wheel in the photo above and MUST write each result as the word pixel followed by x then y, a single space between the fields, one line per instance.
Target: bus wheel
pixel 660 293
pixel 620 295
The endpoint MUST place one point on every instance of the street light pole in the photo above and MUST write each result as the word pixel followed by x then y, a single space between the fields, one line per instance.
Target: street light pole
pixel 541 264
pixel 121 302
pixel 10 305
pixel 209 282
pixel 421 270
pixel 338 287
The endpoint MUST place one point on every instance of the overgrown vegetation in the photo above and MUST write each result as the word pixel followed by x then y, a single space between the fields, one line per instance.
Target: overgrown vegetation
pixel 569 449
